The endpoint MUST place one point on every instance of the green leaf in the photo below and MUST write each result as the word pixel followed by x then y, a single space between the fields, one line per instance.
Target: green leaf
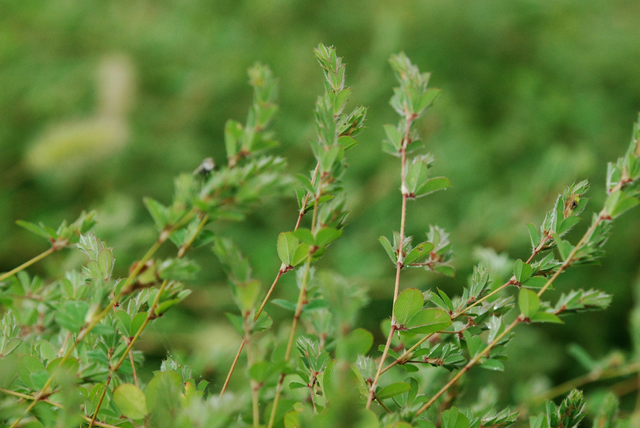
pixel 159 212
pixel 163 390
pixel 287 244
pixel 123 321
pixel 306 183
pixel 567 224
pixel 474 343
pixel 522 271
pixel 261 371
pixel 427 99
pixel 130 401
pixel 137 321
pixel 393 136
pixel 416 175
pixel 331 156
pixel 536 282
pixel 446 270
pixel 284 304
pixel 296 385
pixel 492 364
pixel 305 236
pixel 545 317
pixel 393 390
pixel 618 202
pixel 71 366
pixel 358 342
pixel 409 302
pixel 301 254
pixel 292 418
pixel 340 100
pixel 446 299
pixel 46 233
pixel 564 247
pixel 452 418
pixel 247 293
pixel 528 302
pixel 533 235
pixel 232 134
pixel 418 252
pixel 388 248
pixel 433 185
pixel 428 321
pixel 237 322
pixel 28 365
pixel 40 378
pixel 347 142
pixel 327 235
pixel 72 314
pixel 263 322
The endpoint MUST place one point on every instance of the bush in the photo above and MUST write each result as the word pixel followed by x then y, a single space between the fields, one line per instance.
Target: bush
pixel 68 344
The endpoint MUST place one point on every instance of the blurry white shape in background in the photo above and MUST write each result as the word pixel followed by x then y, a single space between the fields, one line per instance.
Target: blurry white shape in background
pixel 66 151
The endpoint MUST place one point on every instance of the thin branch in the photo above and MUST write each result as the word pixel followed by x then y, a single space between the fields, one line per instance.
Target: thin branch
pixel 302 297
pixel 28 263
pixel 400 261
pixel 233 366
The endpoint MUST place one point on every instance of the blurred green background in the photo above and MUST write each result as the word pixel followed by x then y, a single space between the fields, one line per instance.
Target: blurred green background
pixel 102 103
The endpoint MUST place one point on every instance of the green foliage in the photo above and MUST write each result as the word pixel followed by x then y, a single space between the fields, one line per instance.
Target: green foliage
pixel 68 343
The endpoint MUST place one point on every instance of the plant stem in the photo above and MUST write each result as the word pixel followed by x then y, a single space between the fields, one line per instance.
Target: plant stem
pixel 372 390
pixel 266 299
pixel 302 297
pixel 233 366
pixel 400 261
pixel 254 385
pixel 28 263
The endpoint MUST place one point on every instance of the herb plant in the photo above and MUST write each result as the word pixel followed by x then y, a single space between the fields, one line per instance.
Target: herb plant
pixel 68 354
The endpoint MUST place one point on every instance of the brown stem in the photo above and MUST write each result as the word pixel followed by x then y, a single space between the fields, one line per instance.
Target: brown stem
pixel 233 366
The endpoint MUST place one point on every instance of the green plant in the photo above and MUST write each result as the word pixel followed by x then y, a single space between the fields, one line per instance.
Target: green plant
pixel 67 350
